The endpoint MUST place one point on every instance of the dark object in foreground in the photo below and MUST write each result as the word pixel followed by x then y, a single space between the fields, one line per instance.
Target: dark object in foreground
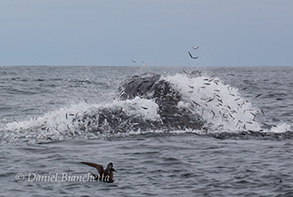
pixel 104 175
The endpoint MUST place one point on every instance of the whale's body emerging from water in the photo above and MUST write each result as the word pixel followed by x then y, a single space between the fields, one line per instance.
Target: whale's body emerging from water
pixel 153 87
pixel 145 102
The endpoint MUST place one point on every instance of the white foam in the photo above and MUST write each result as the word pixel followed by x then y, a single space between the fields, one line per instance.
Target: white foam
pixel 58 124
pixel 280 128
pixel 138 107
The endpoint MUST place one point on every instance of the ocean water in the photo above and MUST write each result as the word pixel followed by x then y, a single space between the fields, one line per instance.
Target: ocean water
pixel 53 118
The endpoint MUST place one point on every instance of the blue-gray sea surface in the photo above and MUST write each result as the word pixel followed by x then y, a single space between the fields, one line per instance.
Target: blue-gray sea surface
pixel 47 127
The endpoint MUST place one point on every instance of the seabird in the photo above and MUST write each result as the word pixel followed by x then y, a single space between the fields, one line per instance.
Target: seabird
pixel 195 47
pixel 133 60
pixel 192 56
pixel 105 175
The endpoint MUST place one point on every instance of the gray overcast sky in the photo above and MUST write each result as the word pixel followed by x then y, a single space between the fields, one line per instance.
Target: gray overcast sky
pixel 158 32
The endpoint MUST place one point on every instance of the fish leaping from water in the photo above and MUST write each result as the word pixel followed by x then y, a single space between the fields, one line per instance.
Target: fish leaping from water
pixel 192 56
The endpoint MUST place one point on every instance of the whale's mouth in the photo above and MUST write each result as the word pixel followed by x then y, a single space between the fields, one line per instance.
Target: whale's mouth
pixel 154 103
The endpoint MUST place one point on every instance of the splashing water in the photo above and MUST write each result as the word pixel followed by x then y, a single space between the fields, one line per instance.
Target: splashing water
pixel 219 106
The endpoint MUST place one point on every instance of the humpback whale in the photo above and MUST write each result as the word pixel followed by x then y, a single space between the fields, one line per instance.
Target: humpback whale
pixel 151 86
pixel 147 93
pixel 145 102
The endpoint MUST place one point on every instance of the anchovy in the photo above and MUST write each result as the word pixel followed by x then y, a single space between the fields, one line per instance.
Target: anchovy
pixel 257 96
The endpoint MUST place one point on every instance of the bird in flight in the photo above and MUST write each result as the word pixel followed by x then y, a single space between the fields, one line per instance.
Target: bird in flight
pixel 133 60
pixel 195 47
pixel 192 56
